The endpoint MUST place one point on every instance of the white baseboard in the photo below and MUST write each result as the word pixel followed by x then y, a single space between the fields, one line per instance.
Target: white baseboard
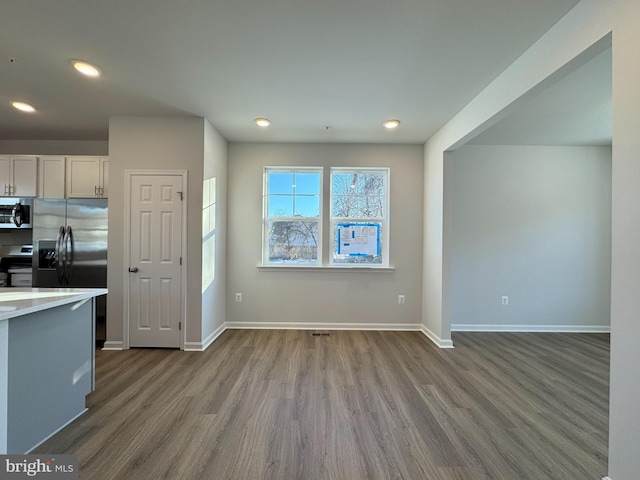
pixel 435 338
pixel 414 327
pixel 113 345
pixel 193 347
pixel 607 478
pixel 461 327
pixel 411 327
pixel 399 327
pixel 202 346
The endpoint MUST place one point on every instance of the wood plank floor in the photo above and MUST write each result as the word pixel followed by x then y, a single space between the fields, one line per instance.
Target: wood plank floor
pixel 282 404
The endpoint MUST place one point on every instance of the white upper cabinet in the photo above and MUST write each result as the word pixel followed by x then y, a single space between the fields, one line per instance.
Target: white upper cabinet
pixel 5 175
pixel 51 176
pixel 18 175
pixel 104 172
pixel 87 177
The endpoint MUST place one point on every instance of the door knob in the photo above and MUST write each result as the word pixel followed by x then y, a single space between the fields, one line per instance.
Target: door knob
pixel 133 269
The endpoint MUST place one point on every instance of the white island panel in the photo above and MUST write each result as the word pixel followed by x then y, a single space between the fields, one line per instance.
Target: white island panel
pixel 47 362
pixel 4 361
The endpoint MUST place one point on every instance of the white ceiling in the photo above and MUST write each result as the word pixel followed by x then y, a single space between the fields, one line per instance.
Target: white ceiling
pixel 576 110
pixel 305 64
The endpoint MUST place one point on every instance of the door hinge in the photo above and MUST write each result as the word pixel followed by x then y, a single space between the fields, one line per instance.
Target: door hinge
pixel 179 325
pixel 180 260
pixel 180 193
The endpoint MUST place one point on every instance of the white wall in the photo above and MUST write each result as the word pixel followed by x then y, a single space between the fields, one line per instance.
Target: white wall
pixel 324 298
pixel 155 143
pixel 577 37
pixel 532 223
pixel 214 242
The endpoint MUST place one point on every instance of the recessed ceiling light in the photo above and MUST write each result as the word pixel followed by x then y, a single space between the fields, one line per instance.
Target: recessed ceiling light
pixel 263 122
pixel 86 68
pixel 391 123
pixel 23 107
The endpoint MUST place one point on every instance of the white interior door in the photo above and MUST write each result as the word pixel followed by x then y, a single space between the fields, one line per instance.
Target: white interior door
pixel 155 270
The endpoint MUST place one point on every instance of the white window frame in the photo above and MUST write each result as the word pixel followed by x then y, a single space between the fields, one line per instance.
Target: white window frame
pixel 266 218
pixel 333 221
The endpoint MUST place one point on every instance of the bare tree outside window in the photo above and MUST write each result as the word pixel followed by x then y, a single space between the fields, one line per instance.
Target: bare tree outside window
pixel 292 204
pixel 358 195
pixel 292 216
pixel 359 200
pixel 293 242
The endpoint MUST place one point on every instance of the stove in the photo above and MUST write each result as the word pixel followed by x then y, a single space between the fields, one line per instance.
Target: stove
pixel 16 265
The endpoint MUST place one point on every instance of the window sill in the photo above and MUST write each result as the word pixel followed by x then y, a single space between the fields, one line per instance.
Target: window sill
pixel 324 268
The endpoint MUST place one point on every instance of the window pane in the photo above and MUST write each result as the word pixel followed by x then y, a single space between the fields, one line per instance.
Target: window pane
pixel 359 210
pixel 307 206
pixel 280 182
pixel 344 206
pixel 280 205
pixel 371 184
pixel 341 183
pixel 370 207
pixel 307 183
pixel 358 183
pixel 358 195
pixel 293 242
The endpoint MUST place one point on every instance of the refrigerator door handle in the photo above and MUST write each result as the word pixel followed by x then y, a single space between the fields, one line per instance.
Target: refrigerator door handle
pixel 59 255
pixel 69 249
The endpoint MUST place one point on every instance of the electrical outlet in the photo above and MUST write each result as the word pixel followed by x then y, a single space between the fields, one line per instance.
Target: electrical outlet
pixel 505 300
pixel 238 297
pixel 401 299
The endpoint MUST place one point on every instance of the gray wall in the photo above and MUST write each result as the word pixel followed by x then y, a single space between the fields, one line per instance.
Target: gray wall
pixel 532 223
pixel 324 298
pixel 213 295
pixel 55 147
pixel 189 143
pixel 624 425
pixel 567 44
pixel 155 143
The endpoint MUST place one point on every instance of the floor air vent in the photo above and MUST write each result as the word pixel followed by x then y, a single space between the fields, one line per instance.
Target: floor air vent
pixel 318 334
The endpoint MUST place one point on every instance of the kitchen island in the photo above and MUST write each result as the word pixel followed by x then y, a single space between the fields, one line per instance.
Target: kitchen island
pixel 47 362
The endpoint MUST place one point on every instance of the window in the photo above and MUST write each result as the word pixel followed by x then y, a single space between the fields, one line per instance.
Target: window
pixel 292 229
pixel 360 216
pixel 292 217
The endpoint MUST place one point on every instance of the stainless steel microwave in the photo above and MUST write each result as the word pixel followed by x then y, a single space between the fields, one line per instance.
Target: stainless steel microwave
pixel 15 212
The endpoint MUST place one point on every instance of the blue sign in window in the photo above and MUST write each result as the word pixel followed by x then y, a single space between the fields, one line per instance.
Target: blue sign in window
pixel 358 239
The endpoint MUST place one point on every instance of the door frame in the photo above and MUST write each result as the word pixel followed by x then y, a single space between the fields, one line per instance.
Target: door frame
pixel 128 176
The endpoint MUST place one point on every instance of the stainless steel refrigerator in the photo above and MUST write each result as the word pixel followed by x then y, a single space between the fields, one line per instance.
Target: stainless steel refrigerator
pixel 70 247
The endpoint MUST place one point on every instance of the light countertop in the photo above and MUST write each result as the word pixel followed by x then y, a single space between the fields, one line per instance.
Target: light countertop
pixel 15 302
